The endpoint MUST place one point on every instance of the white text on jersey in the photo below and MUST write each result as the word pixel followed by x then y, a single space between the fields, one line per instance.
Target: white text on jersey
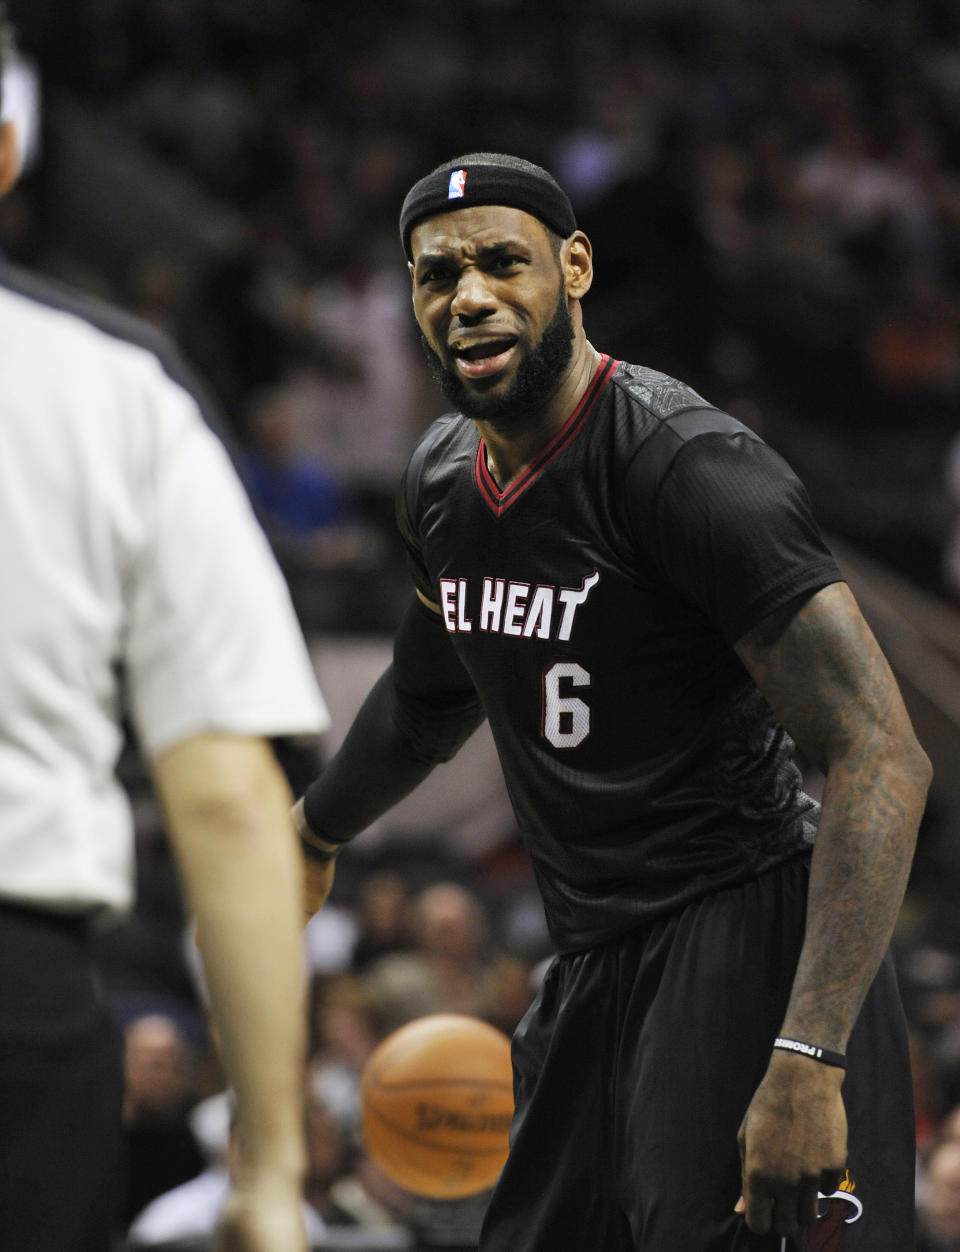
pixel 513 608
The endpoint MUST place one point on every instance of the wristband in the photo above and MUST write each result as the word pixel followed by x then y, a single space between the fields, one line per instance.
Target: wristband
pixel 823 1055
pixel 309 841
pixel 322 856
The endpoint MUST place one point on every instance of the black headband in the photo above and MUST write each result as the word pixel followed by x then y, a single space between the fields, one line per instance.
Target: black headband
pixel 462 187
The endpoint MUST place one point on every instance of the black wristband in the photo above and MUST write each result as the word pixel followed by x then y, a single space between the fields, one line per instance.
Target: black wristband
pixel 310 842
pixel 816 1053
pixel 322 856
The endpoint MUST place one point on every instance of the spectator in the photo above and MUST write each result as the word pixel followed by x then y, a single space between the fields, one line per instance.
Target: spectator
pixel 913 346
pixel 444 970
pixel 349 1025
pixel 329 1158
pixel 938 1199
pixel 950 556
pixel 190 1212
pixel 304 504
pixel 383 917
pixel 159 1091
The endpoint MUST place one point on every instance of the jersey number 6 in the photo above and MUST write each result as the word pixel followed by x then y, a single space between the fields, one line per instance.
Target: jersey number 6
pixel 566 718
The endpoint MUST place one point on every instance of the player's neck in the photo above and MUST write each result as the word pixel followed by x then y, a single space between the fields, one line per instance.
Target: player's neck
pixel 510 452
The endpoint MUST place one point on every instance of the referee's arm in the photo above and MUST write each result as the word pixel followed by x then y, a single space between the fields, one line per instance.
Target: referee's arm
pixel 227 806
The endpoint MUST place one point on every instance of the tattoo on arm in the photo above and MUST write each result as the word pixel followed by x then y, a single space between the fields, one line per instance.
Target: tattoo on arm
pixel 829 685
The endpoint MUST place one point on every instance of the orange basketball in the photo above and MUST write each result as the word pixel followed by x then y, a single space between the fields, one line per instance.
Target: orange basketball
pixel 437 1103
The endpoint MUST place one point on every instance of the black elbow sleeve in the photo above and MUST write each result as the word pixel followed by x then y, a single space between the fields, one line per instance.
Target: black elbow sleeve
pixel 419 713
pixel 437 707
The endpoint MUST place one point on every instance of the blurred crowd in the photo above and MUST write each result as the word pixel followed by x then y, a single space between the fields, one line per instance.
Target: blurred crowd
pixel 410 931
pixel 773 192
pixel 772 187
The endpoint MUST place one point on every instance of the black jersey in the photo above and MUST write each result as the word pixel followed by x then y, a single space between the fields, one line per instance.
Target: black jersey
pixel 594 603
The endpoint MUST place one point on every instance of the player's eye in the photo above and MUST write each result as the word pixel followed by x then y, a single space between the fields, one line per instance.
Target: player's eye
pixel 436 274
pixel 506 261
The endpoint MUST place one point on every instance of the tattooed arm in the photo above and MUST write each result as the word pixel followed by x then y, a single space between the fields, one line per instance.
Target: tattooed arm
pixel 824 676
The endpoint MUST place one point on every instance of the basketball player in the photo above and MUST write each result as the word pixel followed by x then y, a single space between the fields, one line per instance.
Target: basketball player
pixel 629 585
pixel 126 543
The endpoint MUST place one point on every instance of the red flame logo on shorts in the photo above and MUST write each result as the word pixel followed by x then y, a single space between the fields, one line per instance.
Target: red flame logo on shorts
pixel 842 1208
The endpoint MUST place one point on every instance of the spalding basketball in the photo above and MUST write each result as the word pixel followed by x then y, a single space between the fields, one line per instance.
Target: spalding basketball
pixel 437 1104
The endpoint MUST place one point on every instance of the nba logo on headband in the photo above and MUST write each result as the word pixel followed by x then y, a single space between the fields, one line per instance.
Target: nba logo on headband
pixel 458 180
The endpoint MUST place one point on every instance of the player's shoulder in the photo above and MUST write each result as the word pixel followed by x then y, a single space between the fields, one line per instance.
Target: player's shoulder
pixel 444 433
pixel 665 417
pixel 672 405
pixel 446 443
pixel 657 393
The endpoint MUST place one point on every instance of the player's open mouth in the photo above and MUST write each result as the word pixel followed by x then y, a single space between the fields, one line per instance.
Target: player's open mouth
pixel 480 360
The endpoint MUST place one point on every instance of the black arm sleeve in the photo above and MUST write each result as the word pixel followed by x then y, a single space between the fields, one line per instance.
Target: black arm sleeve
pixel 418 713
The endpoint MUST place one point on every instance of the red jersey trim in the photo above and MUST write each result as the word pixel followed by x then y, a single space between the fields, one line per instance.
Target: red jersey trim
pixel 499 500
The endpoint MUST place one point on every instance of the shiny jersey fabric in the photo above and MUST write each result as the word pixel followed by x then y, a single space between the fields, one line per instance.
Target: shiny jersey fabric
pixel 594 604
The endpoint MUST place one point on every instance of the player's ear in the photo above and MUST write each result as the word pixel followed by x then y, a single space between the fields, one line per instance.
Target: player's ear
pixel 576 260
pixel 9 157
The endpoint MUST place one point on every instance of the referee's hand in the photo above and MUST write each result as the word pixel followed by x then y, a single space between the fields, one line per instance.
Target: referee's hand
pixel 793 1144
pixel 263 1218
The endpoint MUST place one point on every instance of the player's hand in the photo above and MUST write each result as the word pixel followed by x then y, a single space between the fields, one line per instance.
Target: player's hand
pixel 793 1143
pixel 263 1216
pixel 317 875
pixel 317 884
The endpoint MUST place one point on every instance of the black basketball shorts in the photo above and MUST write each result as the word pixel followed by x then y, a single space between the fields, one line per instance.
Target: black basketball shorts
pixel 634 1067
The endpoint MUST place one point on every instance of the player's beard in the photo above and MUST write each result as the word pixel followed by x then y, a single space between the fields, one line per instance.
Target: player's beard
pixel 536 381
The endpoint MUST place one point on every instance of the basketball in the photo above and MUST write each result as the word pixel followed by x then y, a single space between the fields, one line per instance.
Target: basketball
pixel 437 1103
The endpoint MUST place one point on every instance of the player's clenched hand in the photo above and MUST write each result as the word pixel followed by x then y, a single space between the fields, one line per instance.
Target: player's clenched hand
pixel 263 1217
pixel 793 1143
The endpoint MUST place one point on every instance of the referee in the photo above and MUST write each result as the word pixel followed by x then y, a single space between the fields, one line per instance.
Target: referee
pixel 127 547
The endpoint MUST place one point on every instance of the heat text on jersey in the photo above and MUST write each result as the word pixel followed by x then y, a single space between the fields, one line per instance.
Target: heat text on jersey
pixel 507 607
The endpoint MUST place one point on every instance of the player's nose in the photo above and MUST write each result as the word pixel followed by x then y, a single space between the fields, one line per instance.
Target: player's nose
pixel 473 297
